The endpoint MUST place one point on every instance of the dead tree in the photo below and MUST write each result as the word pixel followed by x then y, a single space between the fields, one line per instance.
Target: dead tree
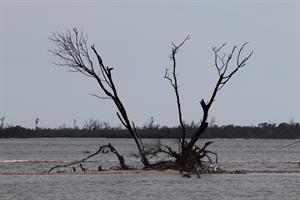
pixel 2 122
pixel 36 122
pixel 190 154
pixel 74 124
pixel 73 52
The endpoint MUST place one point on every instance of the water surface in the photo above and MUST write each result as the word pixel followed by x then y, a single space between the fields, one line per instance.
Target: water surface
pixel 273 166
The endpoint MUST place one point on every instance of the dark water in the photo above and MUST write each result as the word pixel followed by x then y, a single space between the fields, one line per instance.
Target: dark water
pixel 238 187
pixel 273 166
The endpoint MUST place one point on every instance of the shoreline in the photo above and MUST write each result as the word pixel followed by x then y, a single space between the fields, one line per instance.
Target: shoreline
pixel 138 172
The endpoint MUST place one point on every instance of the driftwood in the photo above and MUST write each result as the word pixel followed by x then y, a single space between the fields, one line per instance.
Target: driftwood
pixel 102 149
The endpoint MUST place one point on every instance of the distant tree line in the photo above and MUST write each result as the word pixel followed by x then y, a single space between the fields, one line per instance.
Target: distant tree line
pixel 97 129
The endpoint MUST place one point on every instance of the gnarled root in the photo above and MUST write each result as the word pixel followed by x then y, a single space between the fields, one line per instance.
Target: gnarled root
pixel 198 160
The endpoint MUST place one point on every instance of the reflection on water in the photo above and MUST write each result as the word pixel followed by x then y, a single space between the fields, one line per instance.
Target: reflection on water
pixel 38 155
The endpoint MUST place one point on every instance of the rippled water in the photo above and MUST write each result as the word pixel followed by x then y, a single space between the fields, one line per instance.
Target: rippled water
pixel 239 187
pixel 262 158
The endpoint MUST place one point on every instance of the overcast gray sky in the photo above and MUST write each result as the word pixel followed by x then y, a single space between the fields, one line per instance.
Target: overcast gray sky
pixel 135 38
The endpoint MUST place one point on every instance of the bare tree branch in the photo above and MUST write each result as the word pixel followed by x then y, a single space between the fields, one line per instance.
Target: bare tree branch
pixel 100 97
pixel 224 77
pixel 102 149
pixel 174 84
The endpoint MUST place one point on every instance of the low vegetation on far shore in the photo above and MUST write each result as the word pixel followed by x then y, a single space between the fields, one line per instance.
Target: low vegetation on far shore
pixel 97 129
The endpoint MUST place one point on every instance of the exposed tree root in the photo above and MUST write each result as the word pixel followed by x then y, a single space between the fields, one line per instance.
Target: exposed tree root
pixel 196 164
pixel 199 161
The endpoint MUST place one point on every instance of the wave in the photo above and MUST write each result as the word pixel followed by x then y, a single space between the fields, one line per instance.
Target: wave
pixel 91 161
pixel 137 172
pixel 242 161
pixel 42 161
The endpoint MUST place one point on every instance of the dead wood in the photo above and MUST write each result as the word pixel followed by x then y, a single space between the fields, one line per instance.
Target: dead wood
pixel 73 52
pixel 190 155
pixel 102 149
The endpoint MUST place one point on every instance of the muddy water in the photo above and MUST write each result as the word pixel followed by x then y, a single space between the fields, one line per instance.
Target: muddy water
pixel 273 169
